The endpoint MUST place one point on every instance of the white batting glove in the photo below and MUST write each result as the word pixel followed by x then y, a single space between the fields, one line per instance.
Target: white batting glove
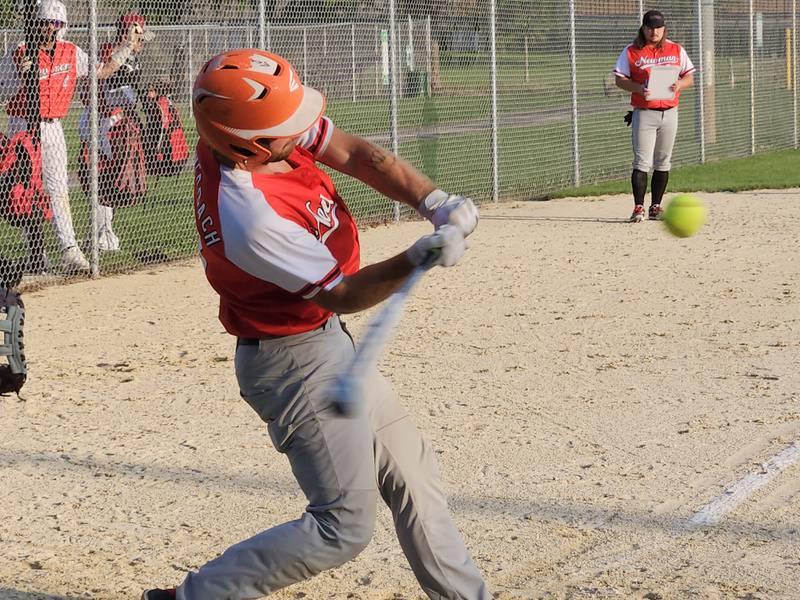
pixel 447 243
pixel 441 208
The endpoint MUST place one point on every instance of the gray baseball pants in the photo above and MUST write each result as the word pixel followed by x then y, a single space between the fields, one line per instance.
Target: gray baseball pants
pixel 653 134
pixel 341 465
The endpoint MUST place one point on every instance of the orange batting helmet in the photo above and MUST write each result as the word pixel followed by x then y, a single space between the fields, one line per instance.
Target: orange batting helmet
pixel 243 99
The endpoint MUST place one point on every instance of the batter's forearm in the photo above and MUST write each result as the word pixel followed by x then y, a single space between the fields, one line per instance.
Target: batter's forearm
pixel 389 174
pixel 368 287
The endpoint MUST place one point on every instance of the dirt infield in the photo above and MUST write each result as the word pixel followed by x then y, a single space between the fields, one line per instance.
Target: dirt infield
pixel 589 387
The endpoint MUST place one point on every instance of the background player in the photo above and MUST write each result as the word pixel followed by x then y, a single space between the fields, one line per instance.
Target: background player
pixel 654 122
pixel 281 248
pixel 61 64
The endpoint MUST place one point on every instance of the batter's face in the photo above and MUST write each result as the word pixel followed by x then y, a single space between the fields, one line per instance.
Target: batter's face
pixel 281 148
pixel 654 34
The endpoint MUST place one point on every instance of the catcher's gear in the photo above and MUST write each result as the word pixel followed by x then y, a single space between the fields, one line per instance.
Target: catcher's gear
pixel 243 99
pixel 12 375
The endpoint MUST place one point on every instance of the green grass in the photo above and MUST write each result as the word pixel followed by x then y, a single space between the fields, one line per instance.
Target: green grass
pixel 535 158
pixel 771 170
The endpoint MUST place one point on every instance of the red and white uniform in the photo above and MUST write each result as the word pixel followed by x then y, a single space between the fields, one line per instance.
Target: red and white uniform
pixel 58 74
pixel 635 63
pixel 271 242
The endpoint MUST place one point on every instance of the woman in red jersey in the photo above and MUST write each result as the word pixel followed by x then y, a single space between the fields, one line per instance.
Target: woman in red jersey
pixel 655 111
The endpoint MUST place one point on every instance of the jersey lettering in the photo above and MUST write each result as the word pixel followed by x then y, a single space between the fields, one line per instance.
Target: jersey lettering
pixel 325 215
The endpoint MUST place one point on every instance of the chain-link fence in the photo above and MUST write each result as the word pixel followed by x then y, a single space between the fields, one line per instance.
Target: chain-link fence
pixel 497 99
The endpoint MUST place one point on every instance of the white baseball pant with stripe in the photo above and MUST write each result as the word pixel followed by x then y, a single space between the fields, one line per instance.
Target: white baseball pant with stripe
pixel 54 175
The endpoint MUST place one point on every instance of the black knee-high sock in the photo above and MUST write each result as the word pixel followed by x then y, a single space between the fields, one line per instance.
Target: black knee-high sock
pixel 658 185
pixel 639 185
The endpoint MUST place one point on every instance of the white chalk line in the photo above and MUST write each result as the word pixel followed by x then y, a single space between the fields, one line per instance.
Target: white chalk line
pixel 737 493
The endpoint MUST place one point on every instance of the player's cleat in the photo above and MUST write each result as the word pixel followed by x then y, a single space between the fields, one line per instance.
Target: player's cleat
pixel 159 594
pixel 656 212
pixel 107 240
pixel 74 260
pixel 638 214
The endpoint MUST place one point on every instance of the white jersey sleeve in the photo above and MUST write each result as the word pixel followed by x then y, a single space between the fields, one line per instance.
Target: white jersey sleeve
pixel 81 62
pixel 316 139
pixel 623 67
pixel 268 245
pixel 687 67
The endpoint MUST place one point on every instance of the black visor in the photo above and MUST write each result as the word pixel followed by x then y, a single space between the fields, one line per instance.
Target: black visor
pixel 653 19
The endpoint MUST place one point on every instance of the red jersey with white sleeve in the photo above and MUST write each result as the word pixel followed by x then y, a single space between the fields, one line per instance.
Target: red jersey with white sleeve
pixel 58 72
pixel 635 63
pixel 271 242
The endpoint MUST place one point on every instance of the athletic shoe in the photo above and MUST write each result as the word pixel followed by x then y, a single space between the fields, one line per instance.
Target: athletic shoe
pixel 656 212
pixel 107 240
pixel 157 594
pixel 638 214
pixel 74 260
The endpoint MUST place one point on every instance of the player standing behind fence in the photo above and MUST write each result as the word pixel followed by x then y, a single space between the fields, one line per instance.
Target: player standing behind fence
pixel 122 175
pixel 655 122
pixel 281 248
pixel 61 64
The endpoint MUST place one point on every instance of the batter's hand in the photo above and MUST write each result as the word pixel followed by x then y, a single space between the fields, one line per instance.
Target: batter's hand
pixel 441 208
pixel 25 65
pixel 447 242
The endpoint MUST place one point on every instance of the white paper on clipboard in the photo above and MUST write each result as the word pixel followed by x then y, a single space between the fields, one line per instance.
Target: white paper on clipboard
pixel 661 79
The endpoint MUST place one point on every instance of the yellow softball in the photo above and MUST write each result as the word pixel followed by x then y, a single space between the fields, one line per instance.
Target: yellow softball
pixel 684 215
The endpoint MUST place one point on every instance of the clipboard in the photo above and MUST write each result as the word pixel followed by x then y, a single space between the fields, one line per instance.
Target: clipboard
pixel 661 78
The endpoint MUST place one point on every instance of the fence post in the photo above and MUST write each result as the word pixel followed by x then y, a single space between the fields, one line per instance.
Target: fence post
pixel 701 84
pixel 752 84
pixel 641 11
pixel 305 54
pixel 495 124
pixel 269 36
pixel 378 60
pixel 794 69
pixel 527 66
pixel 262 33
pixel 393 91
pixel 410 50
pixel 428 50
pixel 573 59
pixel 189 54
pixel 353 55
pixel 93 137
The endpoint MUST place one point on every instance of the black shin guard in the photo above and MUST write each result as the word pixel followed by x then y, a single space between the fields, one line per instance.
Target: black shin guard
pixel 658 185
pixel 639 186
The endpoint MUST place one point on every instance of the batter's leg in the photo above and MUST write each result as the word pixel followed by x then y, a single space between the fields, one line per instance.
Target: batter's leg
pixel 287 381
pixel 410 484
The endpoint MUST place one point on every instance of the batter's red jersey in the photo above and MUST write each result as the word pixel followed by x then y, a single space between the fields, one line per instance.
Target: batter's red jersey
pixel 635 63
pixel 58 73
pixel 271 242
